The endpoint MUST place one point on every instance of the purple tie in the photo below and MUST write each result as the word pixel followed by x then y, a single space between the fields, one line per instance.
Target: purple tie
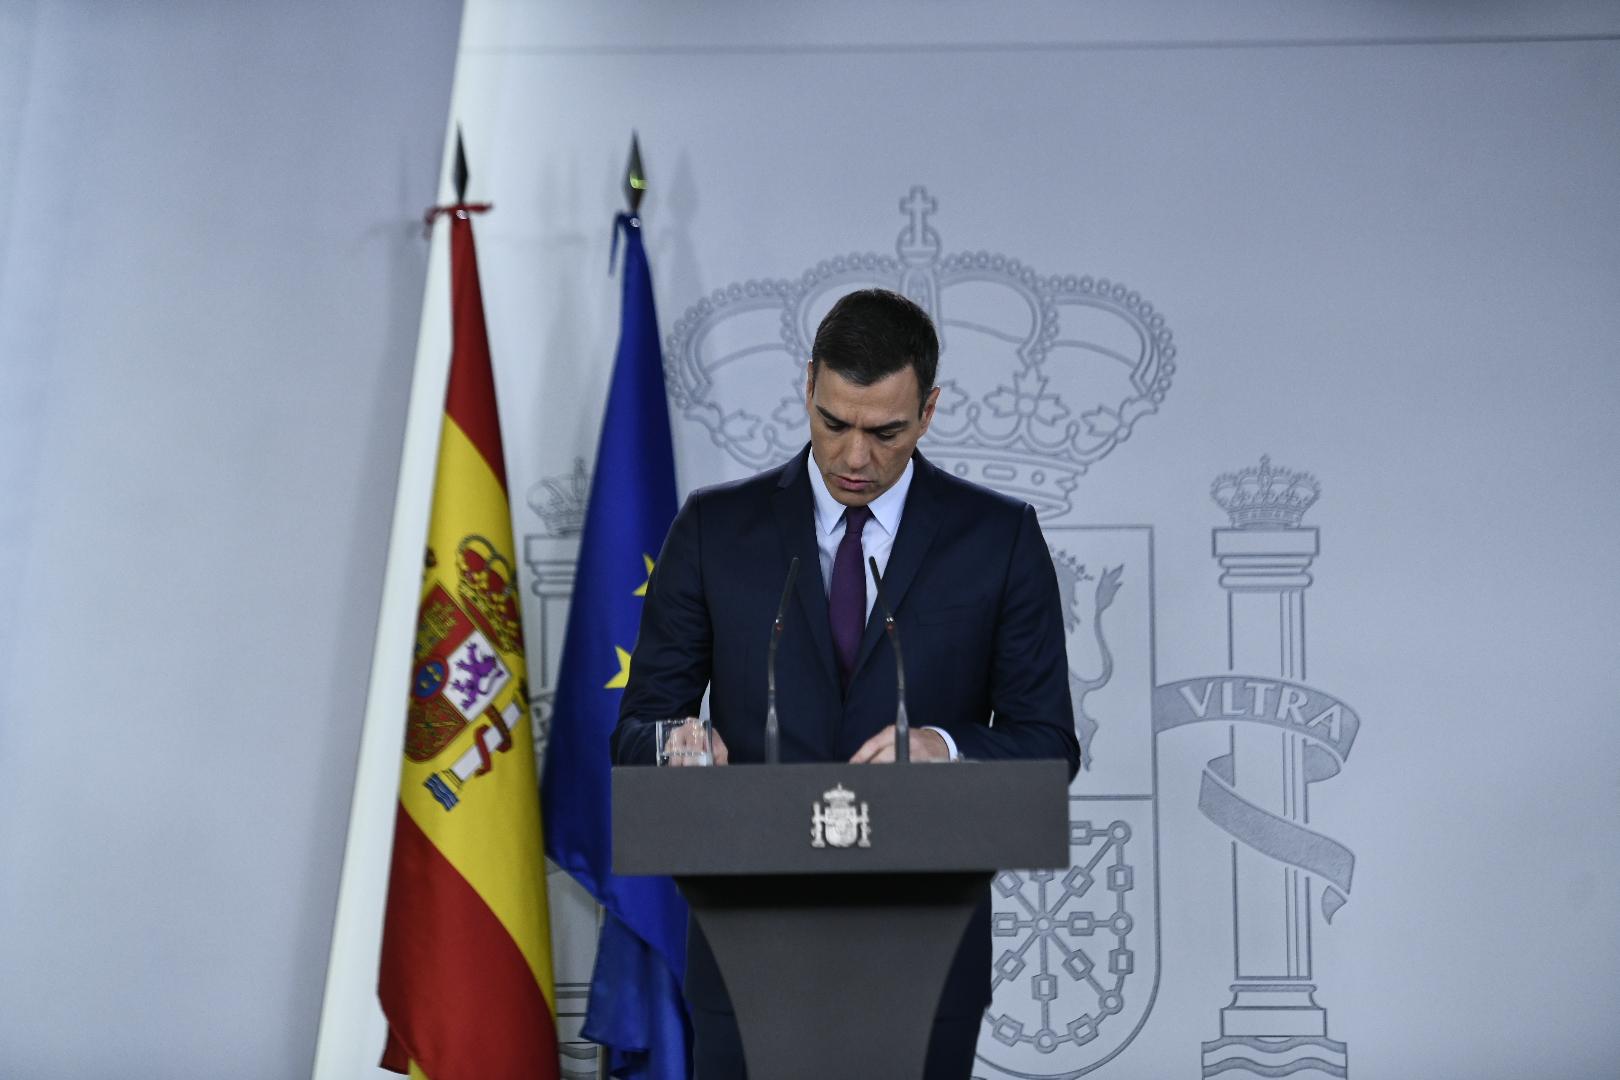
pixel 846 601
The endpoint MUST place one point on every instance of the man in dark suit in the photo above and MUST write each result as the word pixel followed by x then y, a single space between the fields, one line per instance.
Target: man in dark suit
pixel 965 570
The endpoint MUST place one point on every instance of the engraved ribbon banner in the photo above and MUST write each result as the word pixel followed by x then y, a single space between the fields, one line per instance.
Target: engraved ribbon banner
pixel 1328 725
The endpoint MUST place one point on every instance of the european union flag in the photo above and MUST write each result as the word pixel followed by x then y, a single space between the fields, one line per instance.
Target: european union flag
pixel 635 1004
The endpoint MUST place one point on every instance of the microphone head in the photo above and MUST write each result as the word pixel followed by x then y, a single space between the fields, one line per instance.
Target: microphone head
pixel 877 578
pixel 902 727
pixel 787 590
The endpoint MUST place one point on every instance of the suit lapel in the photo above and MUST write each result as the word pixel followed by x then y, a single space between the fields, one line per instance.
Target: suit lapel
pixel 919 521
pixel 794 507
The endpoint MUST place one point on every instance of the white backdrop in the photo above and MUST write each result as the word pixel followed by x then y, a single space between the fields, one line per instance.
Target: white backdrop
pixel 211 270
pixel 1380 244
pixel 1382 237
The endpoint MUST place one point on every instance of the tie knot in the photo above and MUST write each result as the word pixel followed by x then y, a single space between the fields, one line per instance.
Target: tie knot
pixel 855 518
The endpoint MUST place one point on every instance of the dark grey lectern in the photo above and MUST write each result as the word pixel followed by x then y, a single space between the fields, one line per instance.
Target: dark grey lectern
pixel 834 896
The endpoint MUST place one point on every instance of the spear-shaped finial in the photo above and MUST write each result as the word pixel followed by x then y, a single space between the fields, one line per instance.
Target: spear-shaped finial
pixel 460 176
pixel 461 208
pixel 635 181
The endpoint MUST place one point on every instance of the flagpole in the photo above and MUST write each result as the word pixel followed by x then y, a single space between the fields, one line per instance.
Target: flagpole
pixel 634 1008
pixel 635 188
pixel 604 1057
pixel 349 1008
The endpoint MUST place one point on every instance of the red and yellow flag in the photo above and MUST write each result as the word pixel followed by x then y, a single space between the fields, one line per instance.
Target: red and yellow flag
pixel 466 955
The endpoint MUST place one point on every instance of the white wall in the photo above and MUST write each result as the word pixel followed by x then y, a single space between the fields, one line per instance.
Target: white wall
pixel 211 272
pixel 1383 234
pixel 1384 238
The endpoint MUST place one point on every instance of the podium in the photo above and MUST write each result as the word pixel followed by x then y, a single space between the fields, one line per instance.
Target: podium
pixel 834 896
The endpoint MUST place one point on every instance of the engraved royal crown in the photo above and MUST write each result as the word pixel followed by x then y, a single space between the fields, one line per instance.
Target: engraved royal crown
pixel 1265 498
pixel 560 500
pixel 1042 376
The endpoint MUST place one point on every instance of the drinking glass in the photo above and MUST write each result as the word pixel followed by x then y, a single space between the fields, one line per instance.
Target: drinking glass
pixel 685 741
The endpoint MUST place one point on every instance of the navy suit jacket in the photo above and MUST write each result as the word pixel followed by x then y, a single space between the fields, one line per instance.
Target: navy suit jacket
pixel 976 604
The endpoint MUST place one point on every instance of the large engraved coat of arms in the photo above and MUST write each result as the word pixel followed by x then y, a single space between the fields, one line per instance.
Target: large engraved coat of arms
pixel 1042 377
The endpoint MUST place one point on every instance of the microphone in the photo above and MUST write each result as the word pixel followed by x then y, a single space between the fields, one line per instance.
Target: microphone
pixel 773 730
pixel 902 726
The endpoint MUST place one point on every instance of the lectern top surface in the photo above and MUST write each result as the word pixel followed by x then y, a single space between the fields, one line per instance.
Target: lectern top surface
pixel 840 818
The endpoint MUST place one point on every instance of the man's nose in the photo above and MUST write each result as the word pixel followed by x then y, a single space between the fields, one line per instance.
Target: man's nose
pixel 859 452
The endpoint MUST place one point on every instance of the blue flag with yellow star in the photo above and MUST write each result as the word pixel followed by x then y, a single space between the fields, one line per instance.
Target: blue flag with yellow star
pixel 635 1008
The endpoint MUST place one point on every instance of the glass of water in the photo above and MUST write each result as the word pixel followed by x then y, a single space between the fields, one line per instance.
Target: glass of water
pixel 687 741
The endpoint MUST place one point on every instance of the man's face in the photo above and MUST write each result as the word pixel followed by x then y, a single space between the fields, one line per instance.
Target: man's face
pixel 862 436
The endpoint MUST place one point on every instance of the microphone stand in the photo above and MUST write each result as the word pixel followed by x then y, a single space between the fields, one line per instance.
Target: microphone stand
pixel 773 729
pixel 902 725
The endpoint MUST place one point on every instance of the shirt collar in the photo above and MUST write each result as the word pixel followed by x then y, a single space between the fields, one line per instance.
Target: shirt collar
pixel 886 508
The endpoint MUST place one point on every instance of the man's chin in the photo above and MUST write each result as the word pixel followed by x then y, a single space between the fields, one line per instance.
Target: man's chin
pixel 852 494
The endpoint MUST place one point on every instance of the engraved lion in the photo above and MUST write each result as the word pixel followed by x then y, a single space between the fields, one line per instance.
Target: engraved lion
pixel 1071 576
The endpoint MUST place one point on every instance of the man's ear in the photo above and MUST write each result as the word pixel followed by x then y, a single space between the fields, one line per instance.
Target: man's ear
pixel 928 410
pixel 809 384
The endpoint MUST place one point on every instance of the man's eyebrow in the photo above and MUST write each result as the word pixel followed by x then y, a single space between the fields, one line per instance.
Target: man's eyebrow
pixel 879 429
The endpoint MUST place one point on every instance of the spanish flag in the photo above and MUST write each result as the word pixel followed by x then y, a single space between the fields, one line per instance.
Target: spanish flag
pixel 466 979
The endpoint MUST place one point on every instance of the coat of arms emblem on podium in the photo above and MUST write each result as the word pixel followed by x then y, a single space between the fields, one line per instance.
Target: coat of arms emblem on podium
pixel 834 822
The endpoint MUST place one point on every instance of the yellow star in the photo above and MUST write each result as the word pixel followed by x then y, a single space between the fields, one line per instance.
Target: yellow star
pixel 622 679
pixel 643 590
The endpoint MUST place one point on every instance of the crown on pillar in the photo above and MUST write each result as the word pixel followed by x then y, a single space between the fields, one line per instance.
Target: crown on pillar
pixel 1265 498
pixel 560 500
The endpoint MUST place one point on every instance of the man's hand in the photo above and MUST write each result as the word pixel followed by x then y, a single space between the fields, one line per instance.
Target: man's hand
pixel 685 744
pixel 925 746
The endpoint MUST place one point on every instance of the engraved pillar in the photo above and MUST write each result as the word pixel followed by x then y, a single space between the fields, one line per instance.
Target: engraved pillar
pixel 551 562
pixel 1265 573
pixel 575 919
pixel 551 557
pixel 1273 1021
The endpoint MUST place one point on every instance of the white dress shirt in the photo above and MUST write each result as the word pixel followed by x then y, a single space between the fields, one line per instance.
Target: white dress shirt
pixel 877 540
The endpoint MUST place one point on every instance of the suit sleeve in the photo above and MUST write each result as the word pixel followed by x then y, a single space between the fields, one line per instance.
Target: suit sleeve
pixel 669 669
pixel 1029 673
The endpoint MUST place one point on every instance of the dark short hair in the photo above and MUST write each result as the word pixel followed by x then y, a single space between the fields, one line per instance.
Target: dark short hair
pixel 873 333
